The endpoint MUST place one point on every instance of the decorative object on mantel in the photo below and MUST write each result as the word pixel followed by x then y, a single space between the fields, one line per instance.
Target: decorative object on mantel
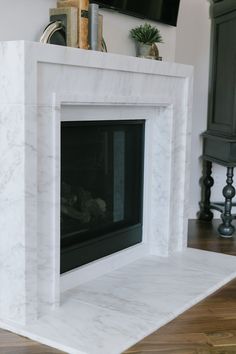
pixel 82 19
pixel 146 37
pixel 68 17
pixel 54 33
pixel 75 24
pixel 93 16
pixel 101 40
pixel 104 46
pixel 96 40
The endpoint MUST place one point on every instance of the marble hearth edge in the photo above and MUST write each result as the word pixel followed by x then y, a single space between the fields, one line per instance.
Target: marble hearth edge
pixel 42 85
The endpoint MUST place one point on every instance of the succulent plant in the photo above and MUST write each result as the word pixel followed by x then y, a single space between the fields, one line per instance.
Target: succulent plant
pixel 146 34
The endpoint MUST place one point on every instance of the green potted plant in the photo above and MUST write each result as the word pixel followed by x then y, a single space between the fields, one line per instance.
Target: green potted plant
pixel 146 37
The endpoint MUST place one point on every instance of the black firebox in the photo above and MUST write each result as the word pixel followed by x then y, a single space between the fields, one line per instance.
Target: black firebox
pixel 101 189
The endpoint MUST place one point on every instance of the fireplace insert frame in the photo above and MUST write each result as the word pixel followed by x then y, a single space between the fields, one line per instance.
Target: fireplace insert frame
pixel 75 254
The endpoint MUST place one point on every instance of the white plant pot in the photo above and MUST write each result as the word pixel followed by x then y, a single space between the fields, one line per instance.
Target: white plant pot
pixel 149 51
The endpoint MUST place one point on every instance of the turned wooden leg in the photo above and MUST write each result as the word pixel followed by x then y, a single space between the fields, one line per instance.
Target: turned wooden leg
pixel 205 212
pixel 226 229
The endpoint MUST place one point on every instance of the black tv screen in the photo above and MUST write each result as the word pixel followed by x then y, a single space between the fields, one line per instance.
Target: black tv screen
pixel 165 11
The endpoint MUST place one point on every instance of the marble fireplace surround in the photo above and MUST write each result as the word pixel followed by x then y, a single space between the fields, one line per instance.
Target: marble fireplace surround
pixel 43 85
pixel 108 305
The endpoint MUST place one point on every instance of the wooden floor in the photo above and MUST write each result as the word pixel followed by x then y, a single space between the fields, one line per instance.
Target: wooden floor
pixel 12 344
pixel 204 236
pixel 207 328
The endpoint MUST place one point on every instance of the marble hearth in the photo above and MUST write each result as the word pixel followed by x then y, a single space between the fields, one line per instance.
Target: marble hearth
pixel 107 305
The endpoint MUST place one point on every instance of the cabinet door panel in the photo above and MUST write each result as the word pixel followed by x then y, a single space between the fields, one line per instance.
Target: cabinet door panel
pixel 222 112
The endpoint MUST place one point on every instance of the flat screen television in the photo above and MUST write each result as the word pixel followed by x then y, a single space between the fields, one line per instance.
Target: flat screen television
pixel 165 11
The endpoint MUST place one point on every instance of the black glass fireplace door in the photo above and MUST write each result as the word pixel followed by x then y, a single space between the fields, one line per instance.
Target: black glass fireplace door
pixel 101 189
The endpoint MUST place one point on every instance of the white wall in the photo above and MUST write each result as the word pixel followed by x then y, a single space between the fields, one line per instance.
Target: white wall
pixel 192 47
pixel 23 19
pixel 116 34
pixel 26 19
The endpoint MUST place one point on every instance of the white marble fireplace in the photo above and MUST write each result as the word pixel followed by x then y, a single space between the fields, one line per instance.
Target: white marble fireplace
pixel 42 85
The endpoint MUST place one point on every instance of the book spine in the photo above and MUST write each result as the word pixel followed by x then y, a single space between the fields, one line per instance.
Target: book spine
pixel 68 16
pixel 68 3
pixel 100 32
pixel 83 24
pixel 93 26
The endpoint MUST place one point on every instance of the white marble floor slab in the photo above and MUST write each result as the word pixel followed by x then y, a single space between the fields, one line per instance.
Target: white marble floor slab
pixel 113 312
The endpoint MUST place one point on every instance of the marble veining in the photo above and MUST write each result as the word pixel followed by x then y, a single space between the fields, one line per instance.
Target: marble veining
pixel 41 86
pixel 113 312
pixel 135 291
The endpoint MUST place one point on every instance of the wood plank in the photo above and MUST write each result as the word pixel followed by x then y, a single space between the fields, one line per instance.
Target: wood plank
pixel 204 235
pixel 11 343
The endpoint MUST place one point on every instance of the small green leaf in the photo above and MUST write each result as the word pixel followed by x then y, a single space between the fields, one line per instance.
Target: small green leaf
pixel 146 34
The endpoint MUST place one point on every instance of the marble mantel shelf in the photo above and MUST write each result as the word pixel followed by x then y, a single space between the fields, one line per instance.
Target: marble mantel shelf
pixel 42 85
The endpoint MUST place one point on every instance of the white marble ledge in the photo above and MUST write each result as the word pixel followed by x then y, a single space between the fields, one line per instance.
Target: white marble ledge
pixel 20 61
pixel 113 312
pixel 94 59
